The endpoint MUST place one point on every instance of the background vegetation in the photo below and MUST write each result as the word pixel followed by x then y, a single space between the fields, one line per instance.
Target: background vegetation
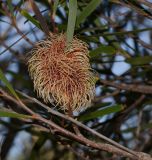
pixel 119 35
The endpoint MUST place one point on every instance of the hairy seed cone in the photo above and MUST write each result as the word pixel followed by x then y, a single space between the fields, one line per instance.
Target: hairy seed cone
pixel 61 73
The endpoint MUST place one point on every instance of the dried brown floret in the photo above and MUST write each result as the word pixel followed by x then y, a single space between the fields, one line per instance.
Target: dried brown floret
pixel 62 73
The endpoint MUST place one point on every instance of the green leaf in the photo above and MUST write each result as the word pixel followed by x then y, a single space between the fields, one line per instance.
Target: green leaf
pixel 71 19
pixel 30 18
pixel 122 33
pixel 94 108
pixel 2 12
pixel 55 6
pixel 135 31
pixel 142 128
pixel 87 11
pixel 13 114
pixel 92 29
pixel 8 85
pixel 19 5
pixel 89 39
pixel 101 112
pixel 10 6
pixel 102 49
pixel 139 60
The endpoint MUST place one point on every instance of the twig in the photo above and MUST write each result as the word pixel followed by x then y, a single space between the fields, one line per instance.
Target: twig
pixel 134 7
pixel 107 95
pixel 145 2
pixel 77 123
pixel 80 139
pixel 72 149
pixel 15 42
pixel 134 105
pixel 14 24
pixel 136 155
pixel 19 102
pixel 75 127
pixel 145 89
pixel 87 142
pixel 39 17
pixel 100 146
pixel 52 18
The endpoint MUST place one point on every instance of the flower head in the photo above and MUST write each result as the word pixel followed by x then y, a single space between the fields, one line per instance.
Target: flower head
pixel 62 73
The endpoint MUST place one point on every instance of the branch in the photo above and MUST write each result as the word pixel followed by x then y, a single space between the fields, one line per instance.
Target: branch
pixel 87 142
pixel 114 93
pixel 132 153
pixel 100 146
pixel 78 124
pixel 145 89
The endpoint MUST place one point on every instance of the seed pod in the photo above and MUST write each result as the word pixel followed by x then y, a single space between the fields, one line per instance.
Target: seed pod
pixel 62 73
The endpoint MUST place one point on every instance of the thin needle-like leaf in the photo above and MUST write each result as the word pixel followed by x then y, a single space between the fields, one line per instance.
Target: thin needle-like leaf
pixel 102 112
pixel 71 19
pixel 8 85
pixel 55 7
pixel 102 49
pixel 87 11
pixel 30 18
pixel 10 114
pixel 39 17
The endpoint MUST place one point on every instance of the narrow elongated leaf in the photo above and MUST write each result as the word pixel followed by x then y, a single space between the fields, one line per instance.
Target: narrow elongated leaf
pixel 2 11
pixel 8 85
pixel 13 114
pixel 39 17
pixel 30 18
pixel 71 19
pixel 139 60
pixel 87 11
pixel 103 28
pixel 122 33
pixel 102 49
pixel 142 127
pixel 10 6
pixel 102 112
pixel 95 108
pixel 55 6
pixel 125 32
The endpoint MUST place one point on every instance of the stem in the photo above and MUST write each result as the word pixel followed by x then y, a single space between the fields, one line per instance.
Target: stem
pixel 75 127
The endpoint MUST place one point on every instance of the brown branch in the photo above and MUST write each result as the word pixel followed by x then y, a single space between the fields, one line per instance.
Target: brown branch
pixel 133 7
pixel 78 123
pixel 24 35
pixel 139 154
pixel 87 142
pixel 100 146
pixel 19 102
pixel 144 44
pixel 39 17
pixel 79 155
pixel 114 93
pixel 146 3
pixel 145 89
pixel 14 24
pixel 52 18
pixel 134 105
